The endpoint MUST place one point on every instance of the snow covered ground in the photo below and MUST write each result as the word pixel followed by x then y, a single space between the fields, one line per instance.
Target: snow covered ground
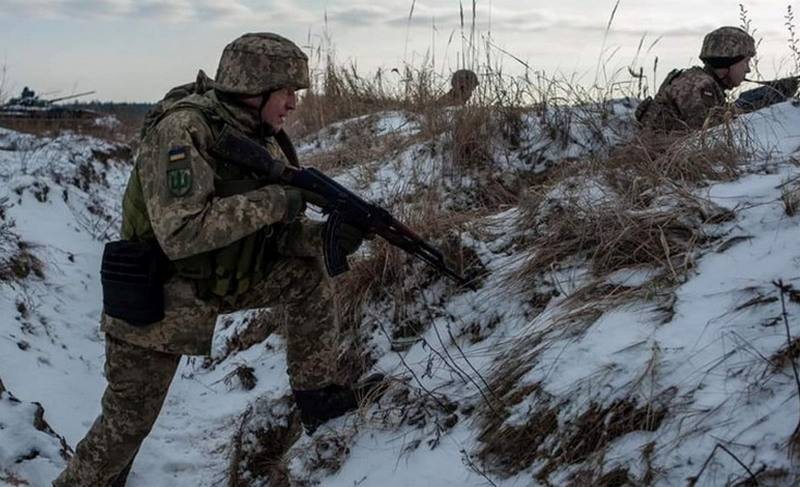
pixel 709 374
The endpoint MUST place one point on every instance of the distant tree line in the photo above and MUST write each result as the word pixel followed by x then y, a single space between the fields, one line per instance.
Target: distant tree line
pixel 129 114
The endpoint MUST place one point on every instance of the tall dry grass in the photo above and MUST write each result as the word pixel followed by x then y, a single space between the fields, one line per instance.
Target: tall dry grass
pixel 635 207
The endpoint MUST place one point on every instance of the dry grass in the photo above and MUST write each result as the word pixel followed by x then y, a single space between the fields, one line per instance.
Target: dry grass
pixel 559 432
pixel 370 279
pixel 470 169
pixel 615 238
pixel 12 479
pixel 394 280
pixel 471 140
pixel 784 357
pixel 679 158
pixel 790 195
pixel 357 142
pixel 431 413
pixel 593 430
pixel 618 477
pixel 338 93
pixel 635 208
pixel 501 443
pixel 542 439
pixel 20 264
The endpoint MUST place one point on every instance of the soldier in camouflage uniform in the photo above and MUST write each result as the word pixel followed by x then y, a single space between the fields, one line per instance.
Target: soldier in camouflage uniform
pixel 462 84
pixel 695 98
pixel 232 243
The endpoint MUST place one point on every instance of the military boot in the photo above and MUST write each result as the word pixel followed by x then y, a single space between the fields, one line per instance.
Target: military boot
pixel 320 405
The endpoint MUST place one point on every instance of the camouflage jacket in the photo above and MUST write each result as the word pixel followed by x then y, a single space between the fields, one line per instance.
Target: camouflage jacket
pixel 687 100
pixel 173 196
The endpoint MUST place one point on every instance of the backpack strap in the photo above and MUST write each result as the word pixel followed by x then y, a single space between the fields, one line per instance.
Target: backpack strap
pixel 171 100
pixel 645 104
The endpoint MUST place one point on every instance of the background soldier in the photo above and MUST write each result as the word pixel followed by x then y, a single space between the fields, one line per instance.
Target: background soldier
pixel 226 241
pixel 695 98
pixel 462 84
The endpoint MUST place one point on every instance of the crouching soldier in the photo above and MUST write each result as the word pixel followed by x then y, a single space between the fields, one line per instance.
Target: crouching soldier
pixel 204 236
pixel 462 85
pixel 695 98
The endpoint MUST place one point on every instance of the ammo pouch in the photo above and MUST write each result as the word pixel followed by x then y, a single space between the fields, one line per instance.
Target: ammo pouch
pixel 133 276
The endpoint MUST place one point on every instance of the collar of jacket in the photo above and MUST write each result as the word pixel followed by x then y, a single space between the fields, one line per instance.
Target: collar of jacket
pixel 241 117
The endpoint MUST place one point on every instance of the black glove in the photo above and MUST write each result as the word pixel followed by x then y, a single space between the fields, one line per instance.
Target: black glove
pixel 295 204
pixel 314 199
pixel 350 238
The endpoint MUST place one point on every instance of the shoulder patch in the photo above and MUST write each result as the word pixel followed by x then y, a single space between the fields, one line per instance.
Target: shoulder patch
pixel 179 171
pixel 179 181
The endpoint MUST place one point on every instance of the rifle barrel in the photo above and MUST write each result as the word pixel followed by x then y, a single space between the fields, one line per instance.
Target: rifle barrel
pixel 768 82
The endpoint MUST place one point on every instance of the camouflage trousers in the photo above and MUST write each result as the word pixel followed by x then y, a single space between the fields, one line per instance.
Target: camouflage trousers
pixel 302 295
pixel 138 378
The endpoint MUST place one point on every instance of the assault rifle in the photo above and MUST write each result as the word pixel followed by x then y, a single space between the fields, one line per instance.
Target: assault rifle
pixel 340 204
pixel 769 93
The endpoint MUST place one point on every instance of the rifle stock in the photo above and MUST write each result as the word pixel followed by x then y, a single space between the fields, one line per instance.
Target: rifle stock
pixel 769 93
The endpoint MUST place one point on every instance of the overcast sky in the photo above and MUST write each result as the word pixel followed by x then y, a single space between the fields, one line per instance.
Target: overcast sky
pixel 137 49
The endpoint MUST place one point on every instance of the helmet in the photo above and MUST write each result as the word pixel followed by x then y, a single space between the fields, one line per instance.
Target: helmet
pixel 466 76
pixel 726 46
pixel 258 63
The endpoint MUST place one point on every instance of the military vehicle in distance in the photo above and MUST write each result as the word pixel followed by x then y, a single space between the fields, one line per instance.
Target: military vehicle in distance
pixel 30 105
pixel 29 109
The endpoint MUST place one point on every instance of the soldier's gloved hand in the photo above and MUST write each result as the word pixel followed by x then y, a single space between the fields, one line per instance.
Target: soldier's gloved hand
pixel 295 204
pixel 787 86
pixel 314 199
pixel 350 238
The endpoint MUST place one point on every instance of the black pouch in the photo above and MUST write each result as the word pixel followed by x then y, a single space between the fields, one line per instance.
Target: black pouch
pixel 133 275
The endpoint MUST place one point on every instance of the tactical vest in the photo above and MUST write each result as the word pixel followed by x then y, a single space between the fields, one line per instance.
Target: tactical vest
pixel 229 271
pixel 644 106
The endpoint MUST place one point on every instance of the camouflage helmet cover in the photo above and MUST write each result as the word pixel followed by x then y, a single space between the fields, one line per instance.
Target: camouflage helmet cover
pixel 464 75
pixel 728 43
pixel 258 63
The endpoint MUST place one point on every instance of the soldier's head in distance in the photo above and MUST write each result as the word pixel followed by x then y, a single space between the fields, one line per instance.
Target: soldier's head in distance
pixel 463 83
pixel 264 71
pixel 728 51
